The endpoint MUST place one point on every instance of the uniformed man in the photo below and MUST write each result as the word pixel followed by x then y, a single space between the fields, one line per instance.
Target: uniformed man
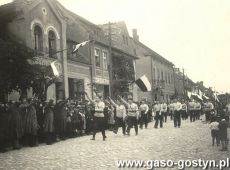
pixel 132 114
pixel 164 111
pixel 177 113
pixel 120 115
pixel 207 108
pixel 99 117
pixel 197 110
pixel 158 115
pixel 184 110
pixel 191 107
pixel 171 109
pixel 144 108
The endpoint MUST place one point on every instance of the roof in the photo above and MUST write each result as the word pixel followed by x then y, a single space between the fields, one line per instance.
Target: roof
pixel 119 31
pixel 82 28
pixel 154 54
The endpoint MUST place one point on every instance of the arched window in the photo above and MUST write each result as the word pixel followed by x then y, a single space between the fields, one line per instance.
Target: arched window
pixel 52 43
pixel 38 39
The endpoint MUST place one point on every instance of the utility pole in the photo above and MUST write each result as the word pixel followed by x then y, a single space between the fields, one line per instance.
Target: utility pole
pixel 110 63
pixel 184 83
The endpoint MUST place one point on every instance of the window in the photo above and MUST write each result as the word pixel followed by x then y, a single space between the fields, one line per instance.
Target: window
pixel 97 57
pixel 105 60
pixel 169 78
pixel 38 40
pixel 52 43
pixel 166 79
pixel 154 74
pixel 162 75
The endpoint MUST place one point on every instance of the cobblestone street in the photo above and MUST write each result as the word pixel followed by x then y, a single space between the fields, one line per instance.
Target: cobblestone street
pixel 191 141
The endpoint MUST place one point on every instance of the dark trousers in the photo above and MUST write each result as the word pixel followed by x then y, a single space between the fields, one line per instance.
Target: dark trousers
pixel 99 125
pixel 143 120
pixel 177 118
pixel 171 115
pixel 184 114
pixel 132 121
pixel 165 115
pixel 215 136
pixel 192 115
pixel 119 123
pixel 159 118
pixel 197 114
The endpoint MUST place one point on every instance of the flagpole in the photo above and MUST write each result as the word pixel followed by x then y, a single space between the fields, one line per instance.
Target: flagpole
pixel 110 63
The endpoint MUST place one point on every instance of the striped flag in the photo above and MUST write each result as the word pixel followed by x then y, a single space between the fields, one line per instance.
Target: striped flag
pixel 143 83
pixel 80 45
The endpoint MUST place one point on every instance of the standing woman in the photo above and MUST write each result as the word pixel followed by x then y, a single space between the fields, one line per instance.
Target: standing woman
pixel 15 125
pixel 31 124
pixel 48 124
pixel 99 117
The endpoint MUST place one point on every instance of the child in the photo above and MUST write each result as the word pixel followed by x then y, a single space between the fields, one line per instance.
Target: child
pixel 214 126
pixel 223 126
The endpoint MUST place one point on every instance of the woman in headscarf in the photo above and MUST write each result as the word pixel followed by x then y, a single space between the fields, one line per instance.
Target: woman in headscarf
pixel 48 125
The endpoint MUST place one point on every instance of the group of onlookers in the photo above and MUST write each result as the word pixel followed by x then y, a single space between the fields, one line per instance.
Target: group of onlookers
pixel 30 122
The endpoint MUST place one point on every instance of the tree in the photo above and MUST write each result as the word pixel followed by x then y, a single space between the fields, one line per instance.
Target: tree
pixel 17 71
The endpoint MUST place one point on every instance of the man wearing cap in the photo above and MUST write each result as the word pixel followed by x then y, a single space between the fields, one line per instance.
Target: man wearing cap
pixel 191 107
pixel 99 117
pixel 132 115
pixel 158 115
pixel 197 110
pixel 208 107
pixel 144 108
pixel 177 114
pixel 184 110
pixel 120 115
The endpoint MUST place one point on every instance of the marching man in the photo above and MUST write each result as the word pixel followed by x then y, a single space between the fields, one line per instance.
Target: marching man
pixel 132 115
pixel 144 108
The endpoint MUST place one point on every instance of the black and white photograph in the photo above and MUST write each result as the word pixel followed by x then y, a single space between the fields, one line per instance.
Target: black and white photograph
pixel 114 84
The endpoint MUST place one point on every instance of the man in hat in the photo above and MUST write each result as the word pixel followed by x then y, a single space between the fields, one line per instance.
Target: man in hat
pixel 132 115
pixel 144 108
pixel 99 117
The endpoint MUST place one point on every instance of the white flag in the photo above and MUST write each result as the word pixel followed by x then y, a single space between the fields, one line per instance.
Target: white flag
pixel 54 68
pixel 80 45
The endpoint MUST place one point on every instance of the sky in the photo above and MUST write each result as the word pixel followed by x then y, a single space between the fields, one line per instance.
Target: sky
pixel 193 34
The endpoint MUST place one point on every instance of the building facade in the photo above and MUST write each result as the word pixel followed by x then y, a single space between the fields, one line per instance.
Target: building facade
pixel 158 70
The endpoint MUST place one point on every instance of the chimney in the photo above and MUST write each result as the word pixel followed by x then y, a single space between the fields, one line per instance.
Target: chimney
pixel 135 36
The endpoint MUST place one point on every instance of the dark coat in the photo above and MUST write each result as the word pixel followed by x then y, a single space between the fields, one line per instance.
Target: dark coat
pixel 223 127
pixel 30 121
pixel 60 117
pixel 15 123
pixel 48 120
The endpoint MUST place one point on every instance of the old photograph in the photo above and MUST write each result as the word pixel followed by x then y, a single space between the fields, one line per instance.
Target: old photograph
pixel 114 84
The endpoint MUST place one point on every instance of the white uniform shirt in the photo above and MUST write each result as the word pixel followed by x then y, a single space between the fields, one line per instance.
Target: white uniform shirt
pixel 177 106
pixel 144 107
pixel 120 111
pixel 184 107
pixel 192 105
pixel 133 110
pixel 164 107
pixel 198 106
pixel 99 109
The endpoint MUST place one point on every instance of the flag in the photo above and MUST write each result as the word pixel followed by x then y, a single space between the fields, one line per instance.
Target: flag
pixel 80 45
pixel 189 94
pixel 216 97
pixel 54 68
pixel 143 83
